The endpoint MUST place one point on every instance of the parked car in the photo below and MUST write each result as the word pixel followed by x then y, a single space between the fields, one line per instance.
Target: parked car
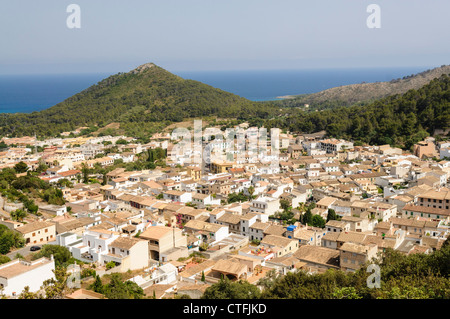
pixel 34 248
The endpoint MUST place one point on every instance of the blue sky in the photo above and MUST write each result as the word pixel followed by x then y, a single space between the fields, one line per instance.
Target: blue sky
pixel 186 35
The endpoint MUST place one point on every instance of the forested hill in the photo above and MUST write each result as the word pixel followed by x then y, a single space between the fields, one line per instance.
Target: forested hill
pixel 142 98
pixel 400 120
pixel 364 92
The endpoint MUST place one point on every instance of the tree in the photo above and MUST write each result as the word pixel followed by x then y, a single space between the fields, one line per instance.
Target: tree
pixel 97 285
pixel 251 190
pixel 121 141
pixel 110 265
pixel 57 288
pixel 27 294
pixel 346 293
pixel 307 217
pixel 9 239
pixel 4 259
pixel 318 221
pixel 85 173
pixel 61 254
pixel 284 204
pixel 18 215
pixel 21 167
pixel 117 289
pixel 225 289
pixel 332 215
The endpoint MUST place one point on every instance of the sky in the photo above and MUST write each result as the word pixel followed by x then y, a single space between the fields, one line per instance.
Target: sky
pixel 199 35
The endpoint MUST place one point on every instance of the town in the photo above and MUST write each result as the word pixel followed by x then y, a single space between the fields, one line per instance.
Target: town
pixel 175 226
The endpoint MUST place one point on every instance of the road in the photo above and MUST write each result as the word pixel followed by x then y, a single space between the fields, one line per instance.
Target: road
pixel 26 250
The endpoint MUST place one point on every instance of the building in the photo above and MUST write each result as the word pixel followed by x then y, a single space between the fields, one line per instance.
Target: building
pixel 435 199
pixel 128 253
pixel 424 211
pixel 39 232
pixel 425 149
pixel 265 205
pixel 165 243
pixel 209 232
pixel 318 259
pixel 17 274
pixel 353 256
pixel 280 245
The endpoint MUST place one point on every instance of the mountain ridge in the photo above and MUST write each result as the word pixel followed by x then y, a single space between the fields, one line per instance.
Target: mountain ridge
pixel 366 92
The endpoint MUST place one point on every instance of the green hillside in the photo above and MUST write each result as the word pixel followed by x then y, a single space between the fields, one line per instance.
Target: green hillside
pixel 141 100
pixel 400 120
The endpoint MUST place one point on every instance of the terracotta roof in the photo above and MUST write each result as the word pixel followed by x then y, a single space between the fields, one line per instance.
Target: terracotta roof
pixel 125 242
pixel 318 255
pixel 34 226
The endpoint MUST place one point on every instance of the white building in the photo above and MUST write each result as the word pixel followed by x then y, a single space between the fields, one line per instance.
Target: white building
pixel 265 205
pixel 17 274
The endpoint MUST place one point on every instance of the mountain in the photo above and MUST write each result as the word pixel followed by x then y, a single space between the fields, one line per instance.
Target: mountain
pixel 142 101
pixel 401 120
pixel 366 92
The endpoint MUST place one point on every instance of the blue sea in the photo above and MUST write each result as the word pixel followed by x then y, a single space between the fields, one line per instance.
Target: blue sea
pixel 29 93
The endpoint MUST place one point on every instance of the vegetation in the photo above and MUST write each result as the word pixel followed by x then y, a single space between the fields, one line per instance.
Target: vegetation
pixel 27 187
pixel 237 197
pixel 226 289
pixel 9 239
pixel 143 101
pixel 117 288
pixel 399 120
pixel 61 254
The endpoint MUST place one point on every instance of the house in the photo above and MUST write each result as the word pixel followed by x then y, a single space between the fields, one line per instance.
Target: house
pixel 178 196
pixel 280 245
pixel 337 226
pixel 318 259
pixel 356 224
pixel 55 210
pixel 326 203
pixel 157 275
pixel 230 268
pixel 435 199
pixel 210 232
pixel 353 255
pixel 128 253
pixel 265 205
pixel 39 232
pixel 284 265
pixel 232 220
pixel 257 230
pixel 203 200
pixel 17 274
pixel 424 211
pixel 91 247
pixel 165 243
pixel 336 240
pixel 425 149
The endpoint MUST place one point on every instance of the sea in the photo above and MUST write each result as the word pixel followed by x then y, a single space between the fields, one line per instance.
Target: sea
pixel 29 93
